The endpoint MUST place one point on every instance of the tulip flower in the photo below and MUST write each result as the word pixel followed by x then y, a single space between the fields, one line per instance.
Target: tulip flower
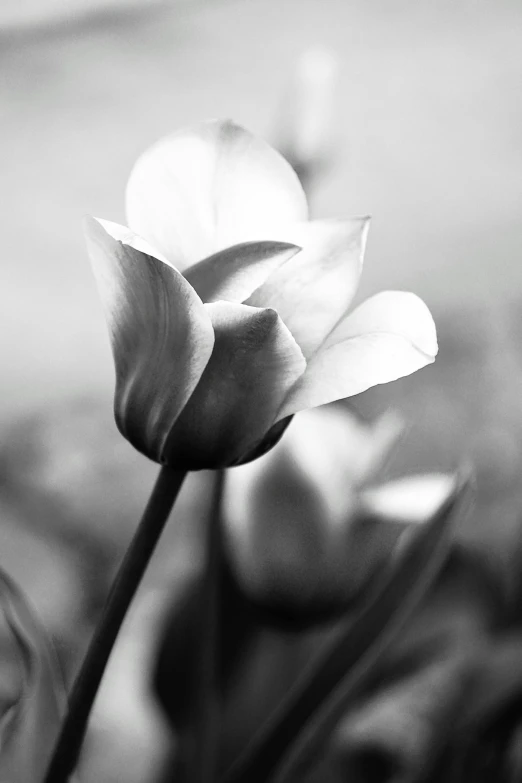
pixel 229 310
pixel 305 533
pixel 290 516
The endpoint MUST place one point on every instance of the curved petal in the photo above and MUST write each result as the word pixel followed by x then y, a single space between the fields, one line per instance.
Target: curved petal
pixel 314 290
pixel 205 188
pixel 161 335
pixel 411 498
pixel 235 272
pixel 390 335
pixel 254 363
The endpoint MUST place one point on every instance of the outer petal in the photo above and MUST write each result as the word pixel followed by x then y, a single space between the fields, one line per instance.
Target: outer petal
pixel 254 363
pixel 203 189
pixel 161 335
pixel 314 290
pixel 390 335
pixel 235 272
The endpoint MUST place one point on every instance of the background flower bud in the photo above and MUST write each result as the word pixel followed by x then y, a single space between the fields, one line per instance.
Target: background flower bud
pixel 293 520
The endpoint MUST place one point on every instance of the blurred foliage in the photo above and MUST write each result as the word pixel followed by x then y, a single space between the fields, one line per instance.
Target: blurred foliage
pixel 71 491
pixel 362 632
pixel 32 696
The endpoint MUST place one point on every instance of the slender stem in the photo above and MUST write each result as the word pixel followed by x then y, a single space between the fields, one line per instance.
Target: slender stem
pixel 132 568
pixel 203 766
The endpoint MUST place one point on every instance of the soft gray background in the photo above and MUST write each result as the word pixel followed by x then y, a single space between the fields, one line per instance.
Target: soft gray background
pixel 428 136
pixel 429 128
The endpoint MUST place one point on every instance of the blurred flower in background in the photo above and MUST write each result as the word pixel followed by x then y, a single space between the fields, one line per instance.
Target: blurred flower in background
pixel 292 518
pixel 395 723
pixel 305 128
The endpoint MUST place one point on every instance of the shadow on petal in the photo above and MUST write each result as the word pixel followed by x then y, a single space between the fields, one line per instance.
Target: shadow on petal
pixel 234 273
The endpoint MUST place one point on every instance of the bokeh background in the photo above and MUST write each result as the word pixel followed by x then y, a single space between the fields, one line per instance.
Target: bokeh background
pixel 426 137
pixel 427 127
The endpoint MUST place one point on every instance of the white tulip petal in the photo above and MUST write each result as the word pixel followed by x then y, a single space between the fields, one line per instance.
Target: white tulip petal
pixel 291 517
pixel 289 492
pixel 232 274
pixel 127 237
pixel 296 484
pixel 206 188
pixel 254 362
pixel 161 335
pixel 388 336
pixel 411 498
pixel 314 290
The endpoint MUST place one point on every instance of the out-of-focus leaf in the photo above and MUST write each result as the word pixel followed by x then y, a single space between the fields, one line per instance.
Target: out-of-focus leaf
pixel 32 698
pixel 499 684
pixel 486 740
pixel 410 715
pixel 398 729
pixel 317 702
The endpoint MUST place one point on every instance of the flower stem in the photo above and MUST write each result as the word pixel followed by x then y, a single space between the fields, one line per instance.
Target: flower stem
pixel 204 762
pixel 132 568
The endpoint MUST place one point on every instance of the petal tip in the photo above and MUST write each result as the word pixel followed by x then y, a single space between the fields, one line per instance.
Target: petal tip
pixel 421 329
pixel 116 231
pixel 91 224
pixel 123 235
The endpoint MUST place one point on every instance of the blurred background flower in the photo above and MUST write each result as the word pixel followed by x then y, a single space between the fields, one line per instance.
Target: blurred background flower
pixel 306 125
pixel 298 536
